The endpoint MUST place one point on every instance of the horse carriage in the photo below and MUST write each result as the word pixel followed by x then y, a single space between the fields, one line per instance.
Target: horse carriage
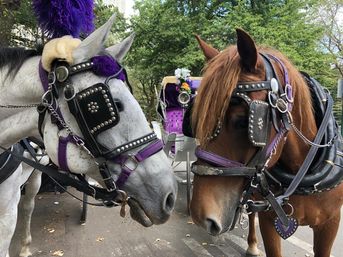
pixel 176 95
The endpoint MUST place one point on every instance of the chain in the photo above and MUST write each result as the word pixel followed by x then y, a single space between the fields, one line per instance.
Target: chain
pixel 10 106
pixel 306 140
pixel 78 141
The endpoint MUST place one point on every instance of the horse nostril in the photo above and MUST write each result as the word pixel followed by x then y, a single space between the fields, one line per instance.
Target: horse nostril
pixel 169 203
pixel 213 227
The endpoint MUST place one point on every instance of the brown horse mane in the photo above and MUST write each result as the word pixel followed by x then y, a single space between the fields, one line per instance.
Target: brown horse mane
pixel 220 78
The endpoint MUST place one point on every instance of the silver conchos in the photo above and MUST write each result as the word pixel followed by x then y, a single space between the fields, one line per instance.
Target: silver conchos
pixel 62 73
pixel 274 85
pixel 93 107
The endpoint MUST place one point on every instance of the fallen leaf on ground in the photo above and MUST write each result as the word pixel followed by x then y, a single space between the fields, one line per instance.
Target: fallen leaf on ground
pixel 100 239
pixel 51 230
pixel 58 253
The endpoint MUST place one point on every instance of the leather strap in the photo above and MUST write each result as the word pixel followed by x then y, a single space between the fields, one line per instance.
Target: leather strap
pixel 310 156
pixel 67 180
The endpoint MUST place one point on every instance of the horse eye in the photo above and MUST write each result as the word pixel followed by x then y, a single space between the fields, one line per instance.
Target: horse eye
pixel 241 123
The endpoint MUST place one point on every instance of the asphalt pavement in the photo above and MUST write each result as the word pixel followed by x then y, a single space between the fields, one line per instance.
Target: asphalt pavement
pixel 56 231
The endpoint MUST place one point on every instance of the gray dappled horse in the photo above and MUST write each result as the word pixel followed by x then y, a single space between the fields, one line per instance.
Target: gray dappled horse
pixel 151 187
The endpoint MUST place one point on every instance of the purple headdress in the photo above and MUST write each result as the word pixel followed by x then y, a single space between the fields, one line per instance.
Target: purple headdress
pixel 64 17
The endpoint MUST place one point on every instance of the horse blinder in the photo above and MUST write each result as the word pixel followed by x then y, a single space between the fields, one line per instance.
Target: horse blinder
pixel 95 111
pixel 258 123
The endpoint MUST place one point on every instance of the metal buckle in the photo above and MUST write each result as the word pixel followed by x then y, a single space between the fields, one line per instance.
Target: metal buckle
pixel 288 89
pixel 133 160
pixel 51 78
pixel 61 73
pixel 281 105
pixel 45 98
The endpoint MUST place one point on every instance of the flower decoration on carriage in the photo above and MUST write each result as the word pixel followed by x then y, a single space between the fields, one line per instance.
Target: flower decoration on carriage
pixel 182 75
pixel 183 86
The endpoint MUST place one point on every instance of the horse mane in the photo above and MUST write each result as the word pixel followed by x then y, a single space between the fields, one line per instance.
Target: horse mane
pixel 15 57
pixel 220 78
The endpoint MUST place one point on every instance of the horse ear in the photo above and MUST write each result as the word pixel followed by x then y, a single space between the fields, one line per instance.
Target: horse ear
pixel 209 51
pixel 94 43
pixel 247 50
pixel 118 51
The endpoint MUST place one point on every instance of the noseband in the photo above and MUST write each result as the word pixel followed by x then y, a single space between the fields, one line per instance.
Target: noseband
pixel 278 108
pixel 95 111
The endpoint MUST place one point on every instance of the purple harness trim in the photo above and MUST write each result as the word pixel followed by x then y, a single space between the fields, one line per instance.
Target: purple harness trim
pixel 63 141
pixel 288 87
pixel 143 154
pixel 215 159
pixel 62 152
pixel 43 77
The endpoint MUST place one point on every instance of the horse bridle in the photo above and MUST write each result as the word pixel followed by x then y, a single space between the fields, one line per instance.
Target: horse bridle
pixel 95 110
pixel 278 106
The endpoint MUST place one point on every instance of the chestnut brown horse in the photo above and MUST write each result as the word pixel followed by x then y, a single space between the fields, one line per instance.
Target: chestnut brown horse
pixel 268 144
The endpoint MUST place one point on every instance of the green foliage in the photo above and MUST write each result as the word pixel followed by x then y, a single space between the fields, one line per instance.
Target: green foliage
pixel 18 25
pixel 102 13
pixel 164 37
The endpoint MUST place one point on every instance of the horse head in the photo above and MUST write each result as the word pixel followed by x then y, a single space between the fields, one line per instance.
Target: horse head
pixel 242 116
pixel 91 123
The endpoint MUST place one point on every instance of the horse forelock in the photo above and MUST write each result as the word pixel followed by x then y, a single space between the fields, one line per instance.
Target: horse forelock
pixel 220 78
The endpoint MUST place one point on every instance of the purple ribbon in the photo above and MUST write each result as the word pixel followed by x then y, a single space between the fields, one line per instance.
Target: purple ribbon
pixel 43 77
pixel 143 154
pixel 215 159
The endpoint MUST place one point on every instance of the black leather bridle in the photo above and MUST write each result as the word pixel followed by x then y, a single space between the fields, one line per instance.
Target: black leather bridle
pixel 278 108
pixel 95 111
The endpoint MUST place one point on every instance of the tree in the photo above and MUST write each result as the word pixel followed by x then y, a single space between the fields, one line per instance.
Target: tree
pixel 165 39
pixel 18 24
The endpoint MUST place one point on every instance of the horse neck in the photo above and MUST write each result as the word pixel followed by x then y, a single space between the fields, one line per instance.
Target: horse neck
pixel 295 149
pixel 23 89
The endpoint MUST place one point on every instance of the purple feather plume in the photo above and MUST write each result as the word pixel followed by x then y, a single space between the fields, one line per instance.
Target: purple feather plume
pixel 106 66
pixel 64 17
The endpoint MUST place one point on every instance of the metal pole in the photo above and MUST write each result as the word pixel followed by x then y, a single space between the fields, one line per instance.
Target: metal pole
pixel 339 95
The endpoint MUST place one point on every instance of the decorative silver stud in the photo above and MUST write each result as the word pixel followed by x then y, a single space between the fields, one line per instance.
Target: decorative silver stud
pixel 274 85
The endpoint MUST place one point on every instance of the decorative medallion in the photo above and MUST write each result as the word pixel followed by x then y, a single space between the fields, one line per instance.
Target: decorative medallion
pixel 93 107
pixel 286 231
